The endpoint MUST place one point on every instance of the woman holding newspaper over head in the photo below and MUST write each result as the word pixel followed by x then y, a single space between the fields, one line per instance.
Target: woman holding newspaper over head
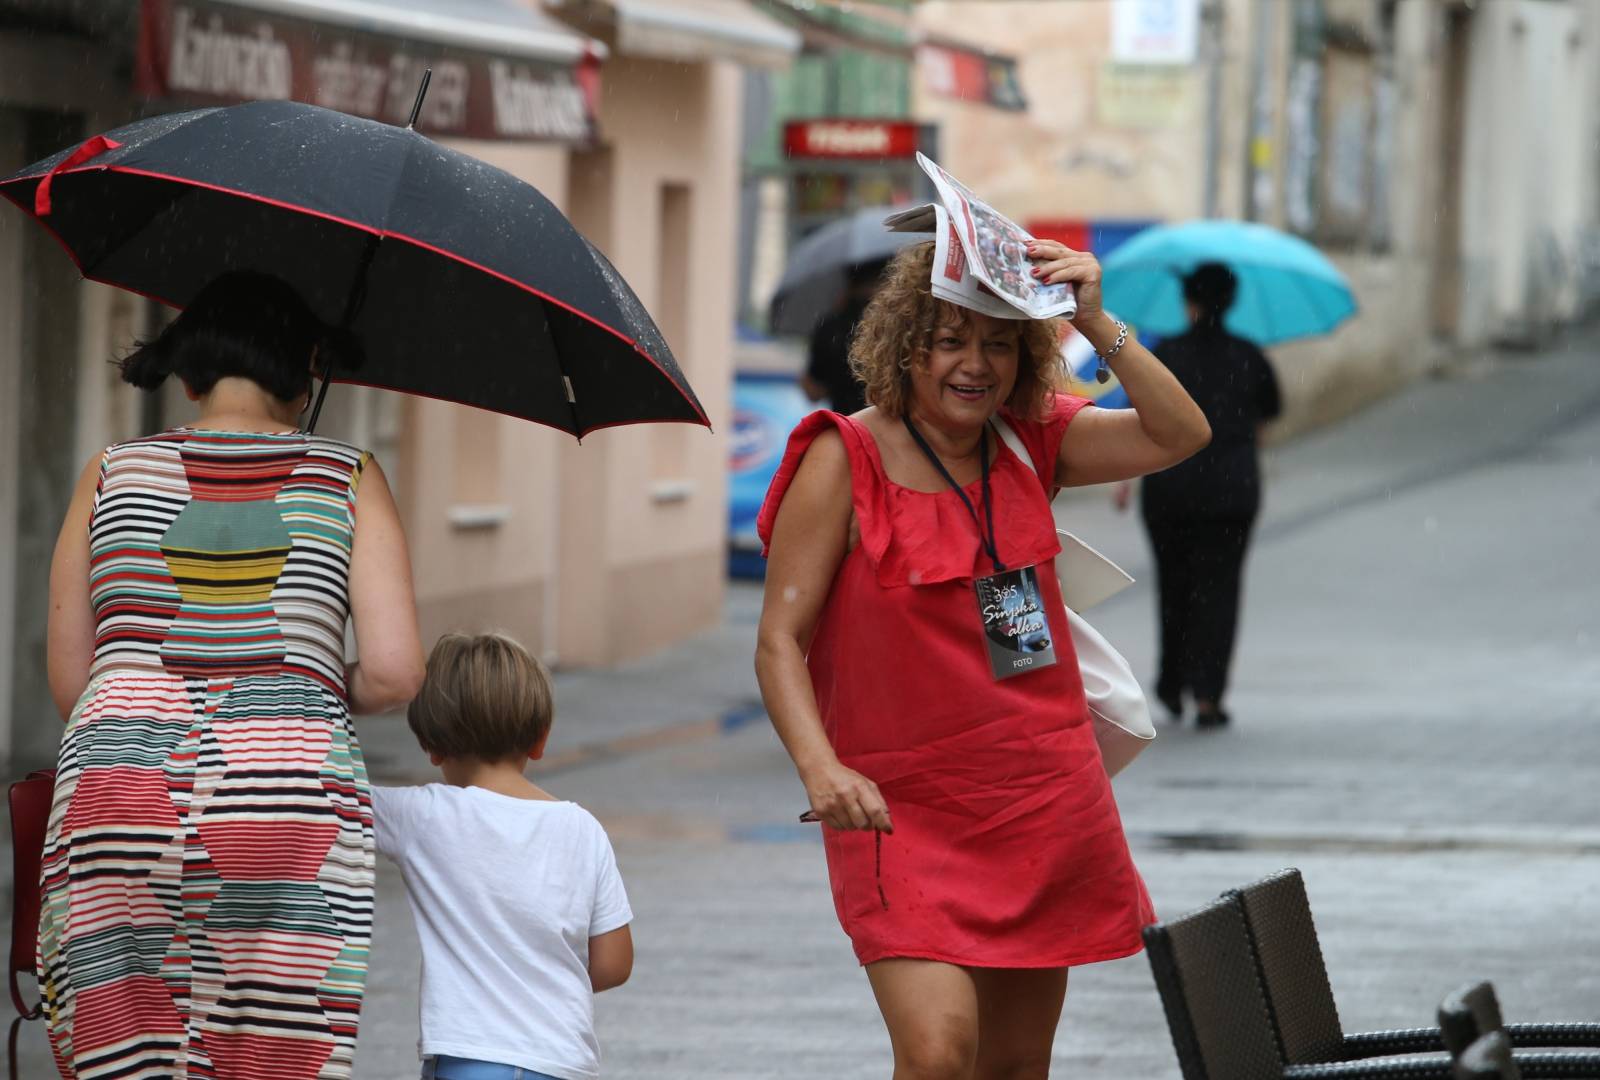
pixel 914 654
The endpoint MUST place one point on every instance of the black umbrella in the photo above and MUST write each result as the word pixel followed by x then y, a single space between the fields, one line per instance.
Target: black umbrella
pixel 463 282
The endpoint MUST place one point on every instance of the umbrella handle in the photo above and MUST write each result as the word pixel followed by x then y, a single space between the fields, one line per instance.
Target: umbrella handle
pixel 352 307
pixel 316 410
pixel 87 149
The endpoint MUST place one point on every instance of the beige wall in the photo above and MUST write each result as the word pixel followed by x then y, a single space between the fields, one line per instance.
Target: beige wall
pixel 1087 150
pixel 1530 167
pixel 661 490
pixel 477 489
pixel 1058 159
pixel 610 548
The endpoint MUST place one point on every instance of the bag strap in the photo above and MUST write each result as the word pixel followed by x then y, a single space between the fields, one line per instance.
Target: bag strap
pixel 1009 436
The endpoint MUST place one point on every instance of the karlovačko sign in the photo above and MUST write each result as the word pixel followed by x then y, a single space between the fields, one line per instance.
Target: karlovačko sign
pixel 212 53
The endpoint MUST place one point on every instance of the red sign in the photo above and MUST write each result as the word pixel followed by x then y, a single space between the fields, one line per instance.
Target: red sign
pixel 216 53
pixel 844 138
pixel 969 75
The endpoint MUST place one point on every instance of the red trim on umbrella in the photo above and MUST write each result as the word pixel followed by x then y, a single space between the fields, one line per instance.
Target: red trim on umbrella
pixel 87 149
pixel 704 421
pixel 382 234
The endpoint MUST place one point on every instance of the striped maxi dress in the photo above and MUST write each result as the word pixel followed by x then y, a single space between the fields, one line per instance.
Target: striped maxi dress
pixel 208 870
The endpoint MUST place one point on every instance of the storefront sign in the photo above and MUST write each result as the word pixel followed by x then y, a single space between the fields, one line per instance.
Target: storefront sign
pixel 844 138
pixel 969 75
pixel 214 53
pixel 1147 96
pixel 1155 31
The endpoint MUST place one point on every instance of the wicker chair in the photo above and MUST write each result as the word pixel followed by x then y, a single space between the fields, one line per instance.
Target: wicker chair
pixel 1300 999
pixel 1472 1012
pixel 1217 1012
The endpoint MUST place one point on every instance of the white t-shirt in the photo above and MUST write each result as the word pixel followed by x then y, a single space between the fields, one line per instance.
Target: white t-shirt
pixel 507 893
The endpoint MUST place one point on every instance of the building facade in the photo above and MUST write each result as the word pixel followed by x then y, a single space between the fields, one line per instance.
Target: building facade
pixel 1442 152
pixel 589 553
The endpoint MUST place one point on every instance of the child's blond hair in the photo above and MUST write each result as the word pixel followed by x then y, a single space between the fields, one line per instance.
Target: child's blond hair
pixel 484 698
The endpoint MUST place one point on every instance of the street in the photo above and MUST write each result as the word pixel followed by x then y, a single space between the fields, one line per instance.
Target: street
pixel 1416 726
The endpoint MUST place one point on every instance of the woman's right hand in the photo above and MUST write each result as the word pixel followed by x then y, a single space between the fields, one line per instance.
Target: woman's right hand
pixel 844 799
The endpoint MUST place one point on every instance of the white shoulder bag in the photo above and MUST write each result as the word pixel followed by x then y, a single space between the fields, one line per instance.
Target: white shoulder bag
pixel 1117 706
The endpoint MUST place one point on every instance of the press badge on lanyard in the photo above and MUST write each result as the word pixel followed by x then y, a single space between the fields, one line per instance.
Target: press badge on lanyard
pixel 1010 607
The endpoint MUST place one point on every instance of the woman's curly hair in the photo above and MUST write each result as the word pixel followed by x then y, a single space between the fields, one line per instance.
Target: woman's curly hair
pixel 896 331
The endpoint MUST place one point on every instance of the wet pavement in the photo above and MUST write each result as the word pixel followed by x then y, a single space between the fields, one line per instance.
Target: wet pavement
pixel 1417 727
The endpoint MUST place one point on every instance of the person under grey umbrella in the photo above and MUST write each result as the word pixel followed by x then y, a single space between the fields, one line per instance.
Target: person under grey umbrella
pixel 1199 514
pixel 828 373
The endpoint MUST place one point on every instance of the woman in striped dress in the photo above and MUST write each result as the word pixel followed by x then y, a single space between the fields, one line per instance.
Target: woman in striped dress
pixel 208 871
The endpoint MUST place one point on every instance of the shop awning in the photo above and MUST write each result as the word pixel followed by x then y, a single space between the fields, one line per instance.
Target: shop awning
pixel 501 70
pixel 689 30
pixel 493 26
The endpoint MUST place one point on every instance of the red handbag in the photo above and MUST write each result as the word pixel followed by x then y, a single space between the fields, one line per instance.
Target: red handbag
pixel 30 814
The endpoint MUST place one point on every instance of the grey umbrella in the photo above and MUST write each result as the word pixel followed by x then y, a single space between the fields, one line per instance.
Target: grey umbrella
pixel 818 267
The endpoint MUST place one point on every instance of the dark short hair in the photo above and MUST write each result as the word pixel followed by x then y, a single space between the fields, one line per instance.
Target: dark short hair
pixel 1211 287
pixel 246 325
pixel 484 698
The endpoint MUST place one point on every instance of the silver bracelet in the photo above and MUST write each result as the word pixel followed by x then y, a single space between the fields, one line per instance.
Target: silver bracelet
pixel 1103 373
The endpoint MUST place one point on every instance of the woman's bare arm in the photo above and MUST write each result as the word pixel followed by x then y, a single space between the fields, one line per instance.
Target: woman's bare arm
pixel 1104 445
pixel 809 541
pixel 69 634
pixel 389 668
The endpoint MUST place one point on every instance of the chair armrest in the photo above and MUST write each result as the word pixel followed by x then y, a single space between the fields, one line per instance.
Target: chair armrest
pixel 1369 1044
pixel 1555 1065
pixel 1553 1035
pixel 1416 1067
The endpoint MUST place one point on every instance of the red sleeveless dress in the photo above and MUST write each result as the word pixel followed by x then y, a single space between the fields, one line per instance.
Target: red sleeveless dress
pixel 1008 851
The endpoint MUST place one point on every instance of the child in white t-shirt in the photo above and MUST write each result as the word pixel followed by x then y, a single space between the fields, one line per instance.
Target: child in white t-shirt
pixel 519 906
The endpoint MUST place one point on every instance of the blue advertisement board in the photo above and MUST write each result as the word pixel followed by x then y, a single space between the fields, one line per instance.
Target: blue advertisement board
pixel 765 409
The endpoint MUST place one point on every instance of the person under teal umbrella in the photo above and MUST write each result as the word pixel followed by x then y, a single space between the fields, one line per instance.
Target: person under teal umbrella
pixel 1199 513
pixel 1286 288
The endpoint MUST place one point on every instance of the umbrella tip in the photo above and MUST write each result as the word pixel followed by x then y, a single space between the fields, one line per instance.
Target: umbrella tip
pixel 422 92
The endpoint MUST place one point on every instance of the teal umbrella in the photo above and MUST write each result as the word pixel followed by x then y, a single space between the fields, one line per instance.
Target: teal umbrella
pixel 1287 288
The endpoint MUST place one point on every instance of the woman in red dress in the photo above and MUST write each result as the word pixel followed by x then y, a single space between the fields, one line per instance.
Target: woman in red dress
pixel 915 659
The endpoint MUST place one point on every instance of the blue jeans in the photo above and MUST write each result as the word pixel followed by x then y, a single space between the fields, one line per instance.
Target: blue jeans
pixel 450 1068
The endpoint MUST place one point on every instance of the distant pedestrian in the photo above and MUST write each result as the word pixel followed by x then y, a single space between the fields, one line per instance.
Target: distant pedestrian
pixel 828 375
pixel 915 658
pixel 519 906
pixel 1199 513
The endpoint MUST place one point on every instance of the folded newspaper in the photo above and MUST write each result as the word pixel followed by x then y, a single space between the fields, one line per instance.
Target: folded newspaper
pixel 980 256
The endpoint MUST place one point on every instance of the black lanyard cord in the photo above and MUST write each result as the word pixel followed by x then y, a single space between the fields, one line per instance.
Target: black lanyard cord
pixel 987 539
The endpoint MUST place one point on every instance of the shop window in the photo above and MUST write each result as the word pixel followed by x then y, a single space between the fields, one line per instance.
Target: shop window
pixel 1340 110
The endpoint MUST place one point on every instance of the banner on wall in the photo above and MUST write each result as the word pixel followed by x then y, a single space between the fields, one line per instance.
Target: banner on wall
pixel 210 53
pixel 1155 31
pixel 955 71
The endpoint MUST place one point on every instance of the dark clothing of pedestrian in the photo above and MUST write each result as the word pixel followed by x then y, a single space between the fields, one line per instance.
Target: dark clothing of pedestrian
pixel 1199 571
pixel 1233 383
pixel 1199 513
pixel 829 363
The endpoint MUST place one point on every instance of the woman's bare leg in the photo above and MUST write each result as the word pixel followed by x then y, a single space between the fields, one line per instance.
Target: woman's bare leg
pixel 931 1010
pixel 1017 1015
